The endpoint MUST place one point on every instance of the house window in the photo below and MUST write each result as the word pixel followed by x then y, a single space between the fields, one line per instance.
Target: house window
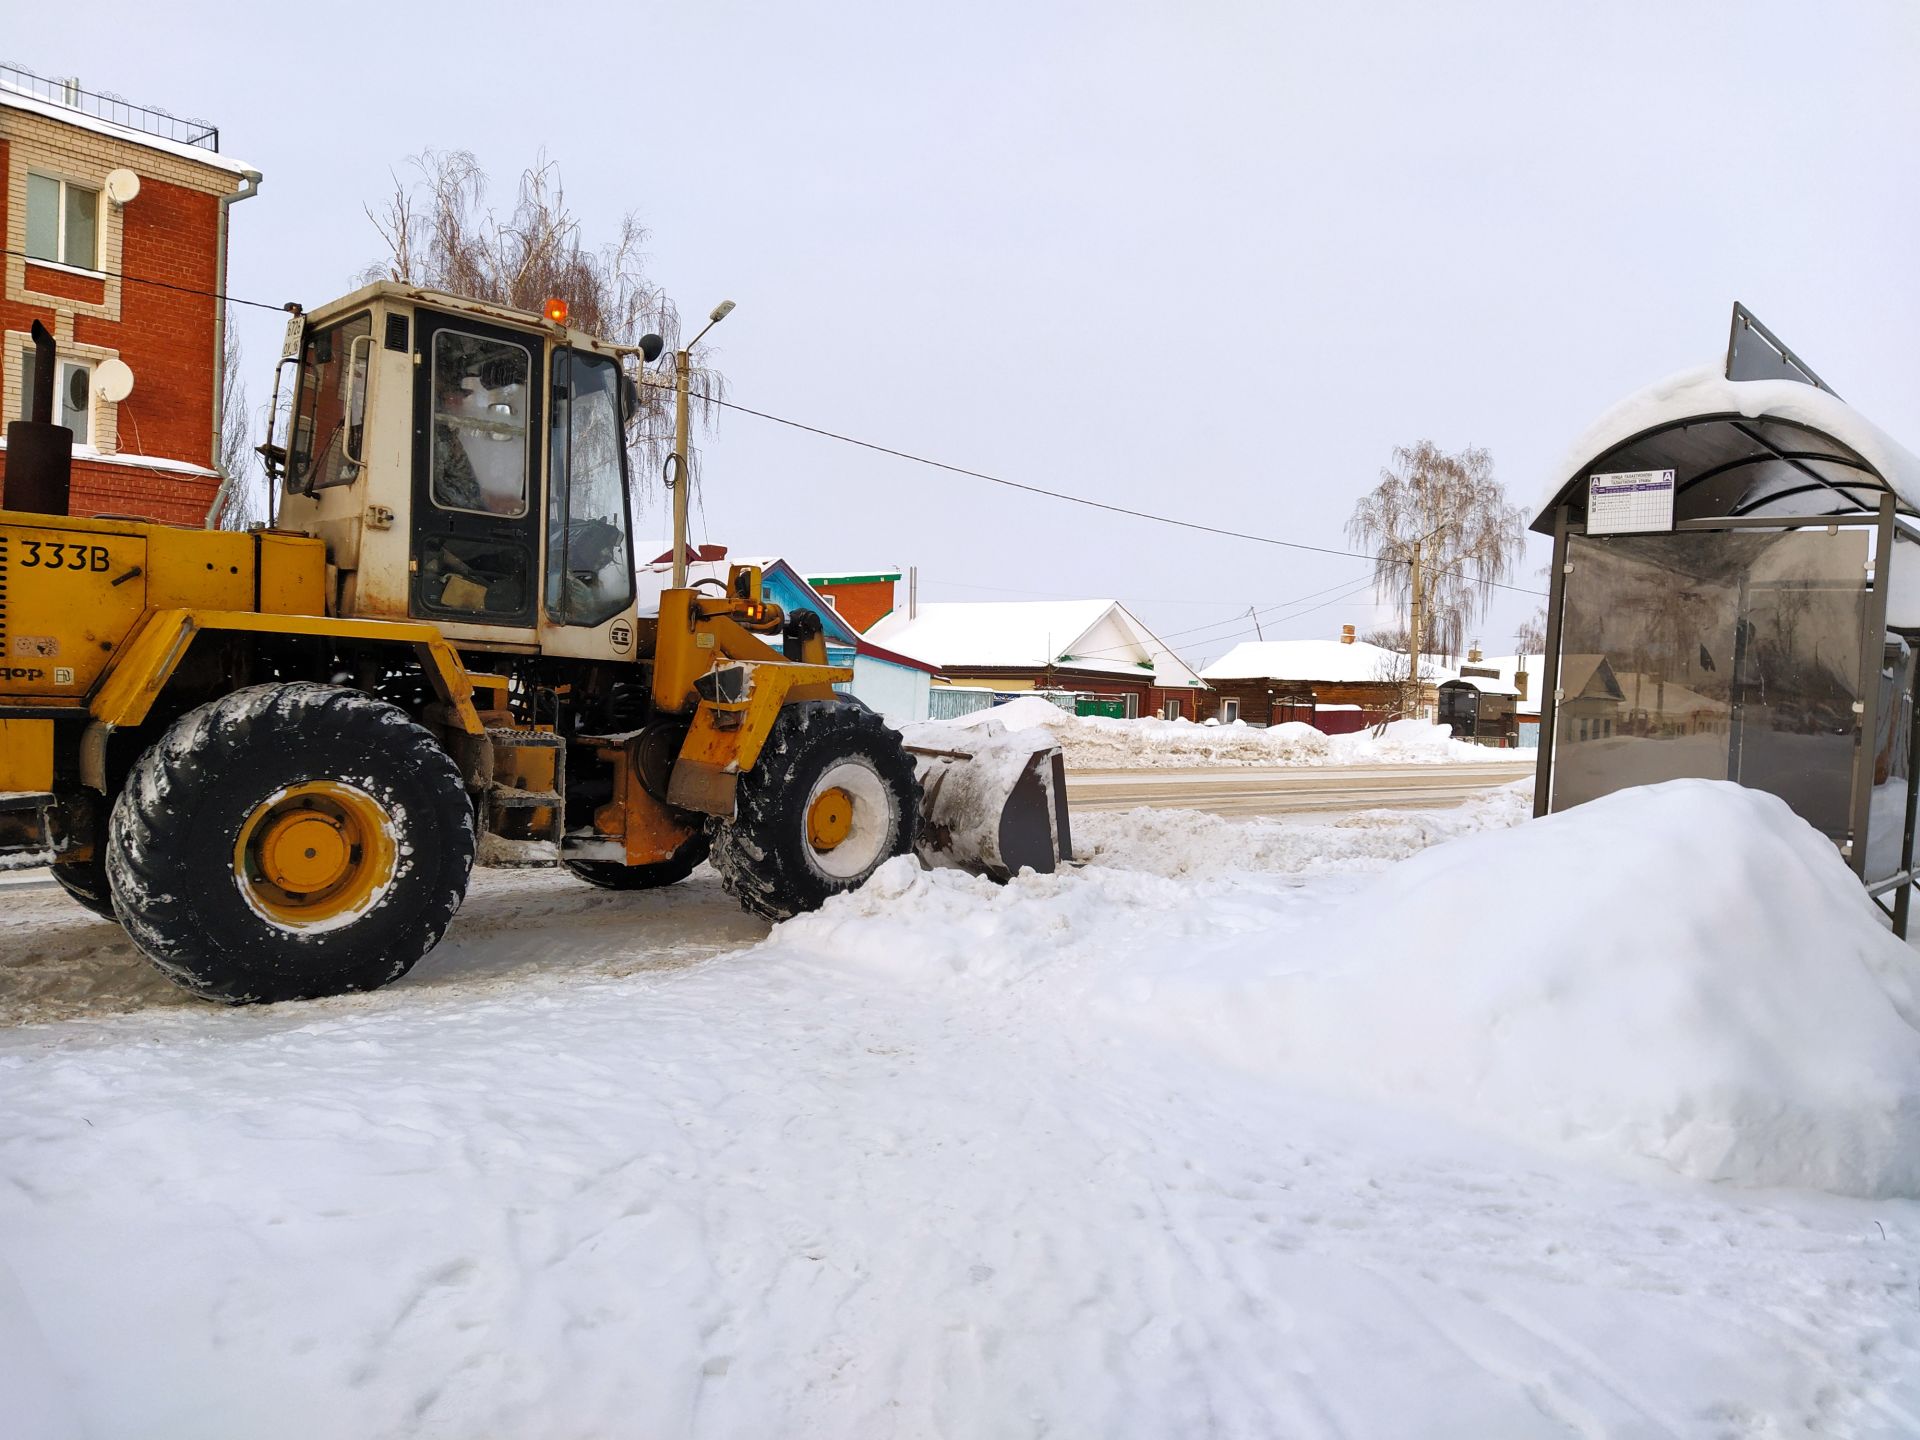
pixel 72 397
pixel 833 602
pixel 63 222
pixel 1133 707
pixel 1229 711
pixel 1169 709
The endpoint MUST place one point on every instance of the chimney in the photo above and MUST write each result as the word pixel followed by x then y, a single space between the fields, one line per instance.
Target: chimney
pixel 1346 635
pixel 1473 655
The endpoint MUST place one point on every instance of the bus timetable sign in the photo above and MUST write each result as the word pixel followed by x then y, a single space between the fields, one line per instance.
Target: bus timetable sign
pixel 1630 502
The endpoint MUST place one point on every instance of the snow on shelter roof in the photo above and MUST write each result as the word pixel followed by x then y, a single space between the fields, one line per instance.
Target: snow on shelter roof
pixel 1095 636
pixel 1741 447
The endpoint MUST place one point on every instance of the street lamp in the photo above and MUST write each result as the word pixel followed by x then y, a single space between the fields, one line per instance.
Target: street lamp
pixel 682 384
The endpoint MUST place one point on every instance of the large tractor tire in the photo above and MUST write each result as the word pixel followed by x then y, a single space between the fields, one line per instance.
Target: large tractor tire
pixel 612 875
pixel 86 882
pixel 831 800
pixel 290 841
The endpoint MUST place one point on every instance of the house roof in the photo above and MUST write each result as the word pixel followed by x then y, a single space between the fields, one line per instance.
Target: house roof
pixel 1099 637
pixel 854 575
pixel 1327 662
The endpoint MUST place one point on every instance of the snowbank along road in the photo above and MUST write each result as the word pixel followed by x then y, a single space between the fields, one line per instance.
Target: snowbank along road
pixel 949 1159
pixel 1290 790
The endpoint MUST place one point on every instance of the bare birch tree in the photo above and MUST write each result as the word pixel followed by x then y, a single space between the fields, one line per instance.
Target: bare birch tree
pixel 442 233
pixel 245 498
pixel 1443 534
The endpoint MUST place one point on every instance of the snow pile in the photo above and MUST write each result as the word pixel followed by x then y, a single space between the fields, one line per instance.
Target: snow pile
pixel 1092 742
pixel 1685 973
pixel 1200 846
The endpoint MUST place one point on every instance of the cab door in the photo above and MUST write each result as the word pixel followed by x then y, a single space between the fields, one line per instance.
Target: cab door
pixel 589 593
pixel 476 469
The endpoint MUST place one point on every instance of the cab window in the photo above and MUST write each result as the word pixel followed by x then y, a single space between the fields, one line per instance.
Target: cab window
pixel 480 393
pixel 589 555
pixel 330 407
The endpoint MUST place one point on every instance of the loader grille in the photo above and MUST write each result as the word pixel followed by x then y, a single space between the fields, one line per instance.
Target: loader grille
pixel 3 595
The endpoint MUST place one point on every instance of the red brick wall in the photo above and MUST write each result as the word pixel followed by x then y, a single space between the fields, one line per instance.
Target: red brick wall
pixel 169 233
pixel 862 605
pixel 105 489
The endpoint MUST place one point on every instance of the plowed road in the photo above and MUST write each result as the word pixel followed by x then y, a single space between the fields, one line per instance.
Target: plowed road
pixel 1290 790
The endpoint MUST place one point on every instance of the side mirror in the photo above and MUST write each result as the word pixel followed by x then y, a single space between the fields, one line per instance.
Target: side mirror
pixel 650 347
pixel 629 396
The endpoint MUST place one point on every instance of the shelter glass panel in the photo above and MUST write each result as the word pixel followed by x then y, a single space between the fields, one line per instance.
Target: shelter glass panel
pixel 1720 655
pixel 1887 809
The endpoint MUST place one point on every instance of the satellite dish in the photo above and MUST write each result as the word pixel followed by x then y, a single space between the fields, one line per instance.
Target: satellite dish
pixel 122 186
pixel 112 381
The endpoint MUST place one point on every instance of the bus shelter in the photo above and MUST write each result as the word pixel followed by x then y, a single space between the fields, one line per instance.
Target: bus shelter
pixel 1735 595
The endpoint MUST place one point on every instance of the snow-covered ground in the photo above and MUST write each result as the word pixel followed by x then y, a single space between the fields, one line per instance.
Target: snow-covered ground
pixel 1091 742
pixel 1243 1129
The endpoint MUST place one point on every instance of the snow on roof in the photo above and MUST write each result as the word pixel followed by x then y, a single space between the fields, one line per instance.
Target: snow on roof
pixel 1326 661
pixel 1095 636
pixel 15 98
pixel 1706 392
pixel 1510 668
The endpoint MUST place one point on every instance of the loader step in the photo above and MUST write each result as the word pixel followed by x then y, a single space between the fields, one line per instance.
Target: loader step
pixel 510 798
pixel 530 775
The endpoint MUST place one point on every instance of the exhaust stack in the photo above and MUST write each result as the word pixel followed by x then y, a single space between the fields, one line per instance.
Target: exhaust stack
pixel 39 476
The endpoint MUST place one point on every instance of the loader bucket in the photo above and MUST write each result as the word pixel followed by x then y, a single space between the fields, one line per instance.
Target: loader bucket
pixel 994 803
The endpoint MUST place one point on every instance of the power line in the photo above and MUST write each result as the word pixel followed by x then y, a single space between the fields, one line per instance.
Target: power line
pixel 1095 504
pixel 1027 590
pixel 156 284
pixel 230 299
pixel 1351 591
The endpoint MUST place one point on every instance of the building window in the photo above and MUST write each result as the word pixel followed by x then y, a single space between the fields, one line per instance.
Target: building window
pixel 1170 709
pixel 63 222
pixel 833 602
pixel 1229 711
pixel 72 398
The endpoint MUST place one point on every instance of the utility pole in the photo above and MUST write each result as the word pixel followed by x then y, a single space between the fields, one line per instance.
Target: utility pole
pixel 1254 615
pixel 1413 635
pixel 682 385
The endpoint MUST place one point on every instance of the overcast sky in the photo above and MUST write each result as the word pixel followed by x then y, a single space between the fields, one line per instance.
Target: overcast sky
pixel 1208 259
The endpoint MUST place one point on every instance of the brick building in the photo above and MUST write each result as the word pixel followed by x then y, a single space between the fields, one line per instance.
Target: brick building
pixel 863 598
pixel 1337 685
pixel 115 221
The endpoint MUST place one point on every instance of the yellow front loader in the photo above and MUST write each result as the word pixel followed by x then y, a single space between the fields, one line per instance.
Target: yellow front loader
pixel 274 756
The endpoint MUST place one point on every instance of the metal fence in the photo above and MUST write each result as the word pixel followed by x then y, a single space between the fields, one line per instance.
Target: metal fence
pixel 144 118
pixel 949 702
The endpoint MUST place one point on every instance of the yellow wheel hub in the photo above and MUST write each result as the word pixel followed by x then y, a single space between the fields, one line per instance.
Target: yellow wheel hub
pixel 314 853
pixel 305 851
pixel 829 818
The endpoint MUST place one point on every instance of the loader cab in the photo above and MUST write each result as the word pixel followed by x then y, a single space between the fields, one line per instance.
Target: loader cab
pixel 466 464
